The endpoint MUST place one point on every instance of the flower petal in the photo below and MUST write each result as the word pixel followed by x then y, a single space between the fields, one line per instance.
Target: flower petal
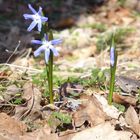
pixel 47 54
pixel 44 19
pixel 32 9
pixel 32 25
pixel 39 50
pixel 112 56
pixel 36 42
pixel 39 26
pixel 55 52
pixel 56 41
pixel 40 11
pixel 28 16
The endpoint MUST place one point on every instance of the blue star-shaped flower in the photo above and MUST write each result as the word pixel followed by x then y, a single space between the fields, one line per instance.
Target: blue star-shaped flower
pixel 37 18
pixel 46 46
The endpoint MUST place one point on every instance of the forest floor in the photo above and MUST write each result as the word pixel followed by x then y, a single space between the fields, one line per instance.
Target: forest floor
pixel 81 76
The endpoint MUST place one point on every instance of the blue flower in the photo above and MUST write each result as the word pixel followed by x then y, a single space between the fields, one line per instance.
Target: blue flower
pixel 46 46
pixel 112 56
pixel 37 18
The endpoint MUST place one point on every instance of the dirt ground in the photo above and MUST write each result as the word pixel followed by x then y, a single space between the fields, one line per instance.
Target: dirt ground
pixel 81 72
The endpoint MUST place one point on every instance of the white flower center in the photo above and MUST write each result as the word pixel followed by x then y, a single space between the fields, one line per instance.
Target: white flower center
pixel 47 43
pixel 37 18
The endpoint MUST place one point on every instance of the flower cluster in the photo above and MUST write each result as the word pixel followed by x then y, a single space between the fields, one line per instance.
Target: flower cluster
pixel 46 45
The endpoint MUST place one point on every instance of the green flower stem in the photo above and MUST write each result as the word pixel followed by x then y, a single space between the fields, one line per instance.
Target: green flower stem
pixel 112 82
pixel 50 71
pixel 49 67
pixel 44 30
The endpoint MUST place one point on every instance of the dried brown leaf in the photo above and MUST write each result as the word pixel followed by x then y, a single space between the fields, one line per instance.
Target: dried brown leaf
pixel 33 97
pixel 110 110
pixel 29 92
pixel 40 134
pixel 132 119
pixel 11 125
pixel 91 112
pixel 104 131
pixel 10 92
pixel 131 116
pixel 125 100
pixel 67 89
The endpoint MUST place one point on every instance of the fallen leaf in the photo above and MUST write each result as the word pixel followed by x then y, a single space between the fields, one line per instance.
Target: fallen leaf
pixel 134 137
pixel 110 110
pixel 29 91
pixel 132 120
pixel 40 134
pixel 125 100
pixel 10 92
pixel 70 89
pixel 11 125
pixel 127 84
pixel 7 136
pixel 32 107
pixel 91 112
pixel 131 116
pixel 104 131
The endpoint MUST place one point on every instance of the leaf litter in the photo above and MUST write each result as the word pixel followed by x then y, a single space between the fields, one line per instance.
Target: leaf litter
pixel 76 114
